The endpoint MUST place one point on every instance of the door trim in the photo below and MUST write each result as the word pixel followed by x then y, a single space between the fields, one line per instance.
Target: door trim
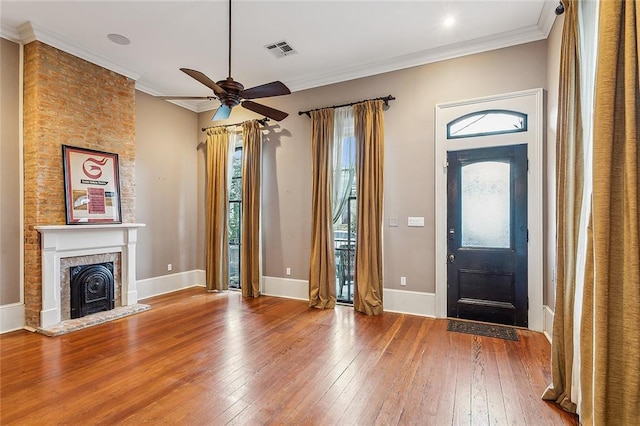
pixel 534 197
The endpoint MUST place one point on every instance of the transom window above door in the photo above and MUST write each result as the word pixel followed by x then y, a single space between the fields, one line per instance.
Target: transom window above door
pixel 488 122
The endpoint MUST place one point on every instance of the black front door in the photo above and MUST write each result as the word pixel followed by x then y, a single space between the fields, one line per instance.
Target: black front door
pixel 487 235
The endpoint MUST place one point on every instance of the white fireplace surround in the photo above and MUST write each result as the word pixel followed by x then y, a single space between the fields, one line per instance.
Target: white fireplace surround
pixel 60 241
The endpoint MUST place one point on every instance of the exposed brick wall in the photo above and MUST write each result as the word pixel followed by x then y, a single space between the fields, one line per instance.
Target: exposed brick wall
pixel 68 101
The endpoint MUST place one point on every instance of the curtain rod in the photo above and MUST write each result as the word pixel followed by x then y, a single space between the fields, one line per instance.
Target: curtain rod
pixel 262 122
pixel 384 99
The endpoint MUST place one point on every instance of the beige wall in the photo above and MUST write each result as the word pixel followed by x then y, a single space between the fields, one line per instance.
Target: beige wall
pixel 553 74
pixel 169 165
pixel 166 187
pixel 409 155
pixel 9 173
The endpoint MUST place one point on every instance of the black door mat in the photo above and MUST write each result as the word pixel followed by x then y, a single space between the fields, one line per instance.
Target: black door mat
pixel 480 329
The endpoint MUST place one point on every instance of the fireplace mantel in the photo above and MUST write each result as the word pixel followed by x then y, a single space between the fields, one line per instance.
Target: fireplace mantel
pixel 60 241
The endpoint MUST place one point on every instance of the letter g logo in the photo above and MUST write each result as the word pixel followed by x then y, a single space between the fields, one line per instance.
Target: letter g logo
pixel 92 168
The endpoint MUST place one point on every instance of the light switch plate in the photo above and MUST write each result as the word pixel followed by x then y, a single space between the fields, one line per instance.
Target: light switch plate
pixel 393 222
pixel 415 221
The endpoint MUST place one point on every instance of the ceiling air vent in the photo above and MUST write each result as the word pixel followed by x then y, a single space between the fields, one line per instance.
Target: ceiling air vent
pixel 280 49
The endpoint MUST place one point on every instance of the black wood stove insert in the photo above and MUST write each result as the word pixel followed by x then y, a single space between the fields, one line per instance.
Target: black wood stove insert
pixel 92 289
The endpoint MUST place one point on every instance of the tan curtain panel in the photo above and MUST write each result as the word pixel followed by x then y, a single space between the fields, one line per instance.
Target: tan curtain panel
pixel 609 341
pixel 216 239
pixel 322 266
pixel 616 218
pixel 569 187
pixel 369 134
pixel 250 239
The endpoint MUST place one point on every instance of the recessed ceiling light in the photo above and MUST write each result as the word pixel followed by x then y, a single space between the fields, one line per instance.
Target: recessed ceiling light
pixel 449 20
pixel 119 39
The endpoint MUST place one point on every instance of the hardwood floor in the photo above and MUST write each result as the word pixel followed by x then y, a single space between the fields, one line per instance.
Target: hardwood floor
pixel 201 358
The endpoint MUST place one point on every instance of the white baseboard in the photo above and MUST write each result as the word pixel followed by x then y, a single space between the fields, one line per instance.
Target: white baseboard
pixel 401 301
pixel 409 302
pixel 11 317
pixel 548 315
pixel 169 283
pixel 285 287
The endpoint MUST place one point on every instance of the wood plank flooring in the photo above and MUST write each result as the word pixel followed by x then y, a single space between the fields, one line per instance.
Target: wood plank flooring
pixel 199 358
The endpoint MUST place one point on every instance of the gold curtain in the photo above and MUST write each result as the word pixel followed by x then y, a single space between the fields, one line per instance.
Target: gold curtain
pixel 322 266
pixel 216 239
pixel 609 342
pixel 569 190
pixel 369 134
pixel 616 217
pixel 250 239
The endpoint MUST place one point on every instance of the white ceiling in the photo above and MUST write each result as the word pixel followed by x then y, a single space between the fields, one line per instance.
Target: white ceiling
pixel 335 40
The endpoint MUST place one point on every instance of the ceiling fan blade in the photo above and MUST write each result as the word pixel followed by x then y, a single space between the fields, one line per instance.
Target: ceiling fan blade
pixel 222 113
pixel 204 80
pixel 172 98
pixel 275 88
pixel 272 113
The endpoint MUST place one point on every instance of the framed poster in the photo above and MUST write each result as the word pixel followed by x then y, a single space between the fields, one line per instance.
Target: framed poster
pixel 91 186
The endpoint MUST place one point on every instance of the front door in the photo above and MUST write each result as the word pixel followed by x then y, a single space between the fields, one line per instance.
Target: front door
pixel 487 234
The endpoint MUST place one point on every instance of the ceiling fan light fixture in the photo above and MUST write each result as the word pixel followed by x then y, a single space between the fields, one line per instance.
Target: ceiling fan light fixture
pixel 231 93
pixel 222 113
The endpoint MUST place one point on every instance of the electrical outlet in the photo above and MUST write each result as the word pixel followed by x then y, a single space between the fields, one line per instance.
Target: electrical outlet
pixel 169 267
pixel 403 280
pixel 288 271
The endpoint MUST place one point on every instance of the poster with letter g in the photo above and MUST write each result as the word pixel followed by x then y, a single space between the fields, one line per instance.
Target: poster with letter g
pixel 91 186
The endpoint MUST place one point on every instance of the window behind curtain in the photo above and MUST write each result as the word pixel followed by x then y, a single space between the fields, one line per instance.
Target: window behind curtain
pixel 344 202
pixel 235 217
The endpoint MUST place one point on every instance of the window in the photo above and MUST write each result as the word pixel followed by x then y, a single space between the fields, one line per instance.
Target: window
pixel 344 203
pixel 235 218
pixel 344 236
pixel 486 204
pixel 489 122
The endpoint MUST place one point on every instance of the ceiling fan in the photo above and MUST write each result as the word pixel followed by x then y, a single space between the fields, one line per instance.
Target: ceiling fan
pixel 231 93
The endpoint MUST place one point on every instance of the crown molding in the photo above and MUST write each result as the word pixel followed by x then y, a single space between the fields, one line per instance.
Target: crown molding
pixel 456 50
pixel 498 41
pixel 143 87
pixel 9 33
pixel 30 31
pixel 195 106
pixel 547 17
pixel 204 106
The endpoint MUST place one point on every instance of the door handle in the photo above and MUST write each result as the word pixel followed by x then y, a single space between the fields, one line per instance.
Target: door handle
pixel 451 258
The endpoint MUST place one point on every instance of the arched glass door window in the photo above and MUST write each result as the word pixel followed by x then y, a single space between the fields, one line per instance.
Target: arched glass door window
pixel 488 122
